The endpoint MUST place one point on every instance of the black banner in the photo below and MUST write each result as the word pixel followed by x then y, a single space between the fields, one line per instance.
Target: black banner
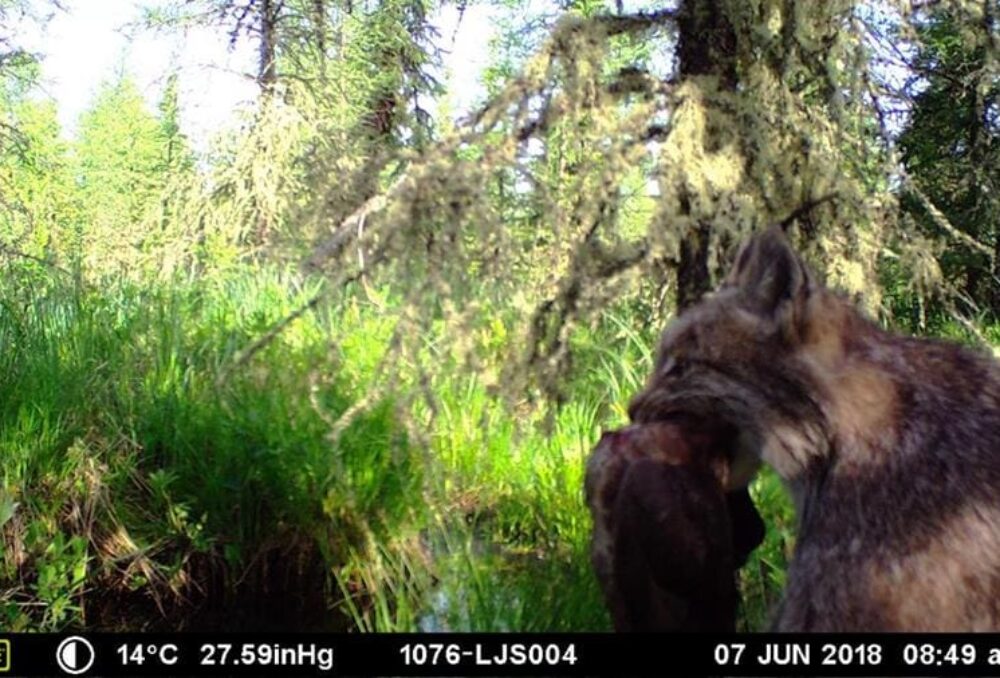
pixel 515 654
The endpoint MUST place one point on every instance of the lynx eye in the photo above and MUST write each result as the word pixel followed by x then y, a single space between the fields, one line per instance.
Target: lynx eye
pixel 673 367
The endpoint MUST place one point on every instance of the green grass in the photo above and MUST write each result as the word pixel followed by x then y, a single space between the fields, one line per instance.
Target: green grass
pixel 147 483
pixel 121 425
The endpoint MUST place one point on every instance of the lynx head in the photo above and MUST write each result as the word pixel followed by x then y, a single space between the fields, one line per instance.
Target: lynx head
pixel 747 355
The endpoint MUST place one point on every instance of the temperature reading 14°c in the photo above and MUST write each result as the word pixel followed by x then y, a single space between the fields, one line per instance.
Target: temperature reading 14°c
pixel 139 654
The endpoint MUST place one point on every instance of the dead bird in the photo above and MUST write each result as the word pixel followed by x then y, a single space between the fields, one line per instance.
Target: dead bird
pixel 667 537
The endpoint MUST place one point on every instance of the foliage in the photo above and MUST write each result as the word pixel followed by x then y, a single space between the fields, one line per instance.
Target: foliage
pixel 951 149
pixel 358 348
pixel 134 457
pixel 18 66
pixel 39 202
pixel 121 157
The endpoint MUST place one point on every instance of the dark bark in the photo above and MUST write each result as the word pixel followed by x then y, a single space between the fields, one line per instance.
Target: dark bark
pixel 706 46
pixel 267 76
pixel 267 72
pixel 706 41
pixel 693 277
pixel 319 28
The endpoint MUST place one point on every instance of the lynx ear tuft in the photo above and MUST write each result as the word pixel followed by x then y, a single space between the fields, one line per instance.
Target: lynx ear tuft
pixel 770 273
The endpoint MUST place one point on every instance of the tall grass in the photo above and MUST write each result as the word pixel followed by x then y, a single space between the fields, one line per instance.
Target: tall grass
pixel 122 424
pixel 147 479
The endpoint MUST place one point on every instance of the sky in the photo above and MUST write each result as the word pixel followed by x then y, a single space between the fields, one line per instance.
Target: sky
pixel 89 43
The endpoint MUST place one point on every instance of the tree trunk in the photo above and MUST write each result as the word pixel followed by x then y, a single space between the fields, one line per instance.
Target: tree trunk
pixel 706 42
pixel 267 75
pixel 693 276
pixel 319 35
pixel 267 72
pixel 706 46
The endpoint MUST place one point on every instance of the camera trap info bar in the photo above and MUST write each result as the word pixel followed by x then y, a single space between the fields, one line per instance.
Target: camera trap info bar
pixel 501 654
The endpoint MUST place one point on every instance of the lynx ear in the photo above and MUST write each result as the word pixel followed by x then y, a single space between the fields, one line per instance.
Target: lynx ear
pixel 770 274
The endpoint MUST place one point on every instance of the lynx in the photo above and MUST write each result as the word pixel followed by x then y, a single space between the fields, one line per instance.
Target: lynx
pixel 667 539
pixel 889 445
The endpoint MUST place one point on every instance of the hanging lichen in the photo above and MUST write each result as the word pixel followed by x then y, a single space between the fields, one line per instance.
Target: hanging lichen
pixel 529 210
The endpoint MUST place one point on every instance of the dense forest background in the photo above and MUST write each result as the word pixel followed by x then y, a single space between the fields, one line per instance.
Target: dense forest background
pixel 342 369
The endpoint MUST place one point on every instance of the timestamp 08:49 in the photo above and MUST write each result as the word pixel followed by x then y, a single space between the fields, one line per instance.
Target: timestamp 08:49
pixel 895 655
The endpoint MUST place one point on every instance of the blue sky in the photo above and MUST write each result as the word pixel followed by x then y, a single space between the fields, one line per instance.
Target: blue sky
pixel 89 43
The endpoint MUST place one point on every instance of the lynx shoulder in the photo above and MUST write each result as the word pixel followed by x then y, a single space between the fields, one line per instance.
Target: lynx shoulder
pixel 890 445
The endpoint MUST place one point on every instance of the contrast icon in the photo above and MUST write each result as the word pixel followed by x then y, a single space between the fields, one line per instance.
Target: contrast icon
pixel 75 655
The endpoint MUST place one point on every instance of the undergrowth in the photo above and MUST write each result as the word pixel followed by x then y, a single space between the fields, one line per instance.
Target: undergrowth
pixel 155 475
